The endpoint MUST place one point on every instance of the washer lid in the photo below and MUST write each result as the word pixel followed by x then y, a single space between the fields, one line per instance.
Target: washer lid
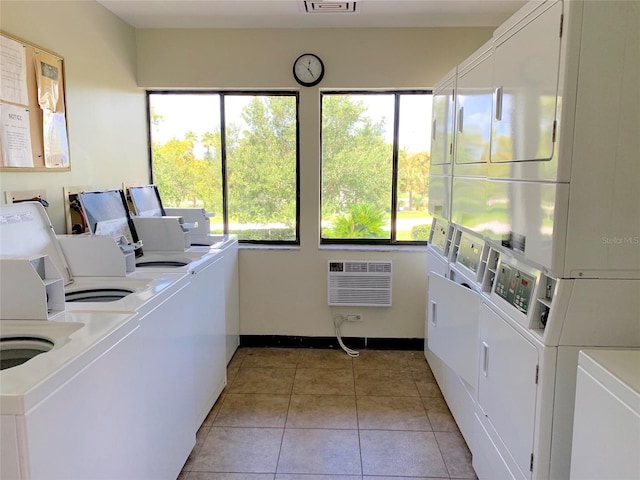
pixel 26 231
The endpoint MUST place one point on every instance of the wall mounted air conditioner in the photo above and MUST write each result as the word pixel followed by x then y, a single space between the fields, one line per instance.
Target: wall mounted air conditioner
pixel 361 284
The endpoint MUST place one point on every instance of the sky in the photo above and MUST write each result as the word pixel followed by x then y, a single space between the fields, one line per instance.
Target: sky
pixel 200 113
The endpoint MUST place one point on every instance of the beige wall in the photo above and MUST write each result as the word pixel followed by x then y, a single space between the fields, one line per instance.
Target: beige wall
pixel 283 292
pixel 105 109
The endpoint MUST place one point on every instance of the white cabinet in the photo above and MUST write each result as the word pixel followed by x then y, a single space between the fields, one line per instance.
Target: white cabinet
pixel 507 386
pixel 443 125
pixel 606 423
pixel 526 66
pixel 474 104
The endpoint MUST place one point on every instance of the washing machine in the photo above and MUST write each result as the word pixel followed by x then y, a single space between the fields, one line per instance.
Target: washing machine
pixel 208 269
pixel 165 333
pixel 66 392
pixel 146 202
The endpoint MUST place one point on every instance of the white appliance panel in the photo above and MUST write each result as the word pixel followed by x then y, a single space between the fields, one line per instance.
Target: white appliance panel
pixel 487 460
pixel 167 340
pixel 474 104
pixel 443 125
pixel 605 447
pixel 72 436
pixel 529 218
pixel 440 196
pixel 232 299
pixel 526 70
pixel 507 387
pixel 436 263
pixel 209 336
pixel 469 204
pixel 604 211
pixel 453 326
pixel 9 453
pixel 458 394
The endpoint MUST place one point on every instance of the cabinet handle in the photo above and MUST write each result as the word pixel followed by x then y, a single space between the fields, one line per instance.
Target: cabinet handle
pixel 433 130
pixel 434 313
pixel 461 119
pixel 498 94
pixel 485 360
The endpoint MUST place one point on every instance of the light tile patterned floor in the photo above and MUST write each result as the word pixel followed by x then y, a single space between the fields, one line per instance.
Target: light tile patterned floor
pixel 306 414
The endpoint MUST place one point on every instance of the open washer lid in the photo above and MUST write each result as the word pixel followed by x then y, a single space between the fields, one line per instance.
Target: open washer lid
pixel 26 231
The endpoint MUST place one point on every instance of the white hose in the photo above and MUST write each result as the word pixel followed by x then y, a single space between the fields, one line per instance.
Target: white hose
pixel 338 320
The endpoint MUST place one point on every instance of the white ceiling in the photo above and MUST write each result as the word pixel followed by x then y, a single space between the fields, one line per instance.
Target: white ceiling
pixel 293 14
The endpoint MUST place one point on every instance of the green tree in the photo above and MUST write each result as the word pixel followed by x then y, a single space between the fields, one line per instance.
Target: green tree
pixel 413 177
pixel 356 159
pixel 192 138
pixel 171 171
pixel 211 140
pixel 261 163
pixel 363 220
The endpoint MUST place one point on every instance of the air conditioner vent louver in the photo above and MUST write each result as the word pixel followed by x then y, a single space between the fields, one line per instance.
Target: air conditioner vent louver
pixel 366 284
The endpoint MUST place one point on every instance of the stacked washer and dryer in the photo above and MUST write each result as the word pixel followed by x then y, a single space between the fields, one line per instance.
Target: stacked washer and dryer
pixel 540 255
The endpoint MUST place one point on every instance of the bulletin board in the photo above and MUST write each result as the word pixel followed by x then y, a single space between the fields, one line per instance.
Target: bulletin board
pixel 33 122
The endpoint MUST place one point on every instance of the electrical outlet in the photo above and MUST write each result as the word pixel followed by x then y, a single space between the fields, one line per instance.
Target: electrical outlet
pixel 354 317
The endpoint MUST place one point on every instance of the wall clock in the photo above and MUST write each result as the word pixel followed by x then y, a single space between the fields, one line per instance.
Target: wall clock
pixel 308 70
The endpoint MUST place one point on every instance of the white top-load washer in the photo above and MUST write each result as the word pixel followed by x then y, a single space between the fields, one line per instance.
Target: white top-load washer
pixel 25 231
pixel 205 267
pixel 66 387
pixel 165 336
pixel 147 204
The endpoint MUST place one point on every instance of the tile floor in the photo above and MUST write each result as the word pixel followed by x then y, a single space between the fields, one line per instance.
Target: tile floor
pixel 306 414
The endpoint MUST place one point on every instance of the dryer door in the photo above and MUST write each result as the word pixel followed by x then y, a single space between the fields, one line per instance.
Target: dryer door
pixel 453 326
pixel 507 385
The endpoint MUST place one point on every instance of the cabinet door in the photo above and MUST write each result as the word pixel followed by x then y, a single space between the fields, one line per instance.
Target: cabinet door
pixel 475 103
pixel 453 326
pixel 442 129
pixel 507 385
pixel 526 66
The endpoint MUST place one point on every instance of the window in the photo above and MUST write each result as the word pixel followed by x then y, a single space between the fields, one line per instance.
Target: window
pixel 232 153
pixel 375 167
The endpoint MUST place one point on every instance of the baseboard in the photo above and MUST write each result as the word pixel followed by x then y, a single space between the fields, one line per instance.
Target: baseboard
pixel 357 343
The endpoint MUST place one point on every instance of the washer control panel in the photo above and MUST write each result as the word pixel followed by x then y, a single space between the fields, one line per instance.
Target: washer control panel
pixel 515 286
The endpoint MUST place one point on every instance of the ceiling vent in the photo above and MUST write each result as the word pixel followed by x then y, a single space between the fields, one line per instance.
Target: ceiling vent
pixel 327 6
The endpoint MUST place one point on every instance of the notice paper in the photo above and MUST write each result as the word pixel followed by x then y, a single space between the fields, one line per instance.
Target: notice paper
pixel 13 71
pixel 56 145
pixel 15 136
pixel 49 78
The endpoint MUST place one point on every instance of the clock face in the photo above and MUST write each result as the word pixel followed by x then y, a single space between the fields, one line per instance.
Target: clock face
pixel 308 70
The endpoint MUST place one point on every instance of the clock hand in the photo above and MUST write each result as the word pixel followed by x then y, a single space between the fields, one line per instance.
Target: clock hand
pixel 310 72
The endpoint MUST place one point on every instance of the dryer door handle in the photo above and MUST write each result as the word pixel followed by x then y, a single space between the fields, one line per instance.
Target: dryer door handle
pixel 434 313
pixel 498 103
pixel 485 359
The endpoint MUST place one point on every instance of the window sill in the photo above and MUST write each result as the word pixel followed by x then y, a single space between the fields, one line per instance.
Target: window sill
pixel 376 248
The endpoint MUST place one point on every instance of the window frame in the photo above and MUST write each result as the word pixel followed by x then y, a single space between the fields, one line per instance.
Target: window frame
pixel 392 240
pixel 223 150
